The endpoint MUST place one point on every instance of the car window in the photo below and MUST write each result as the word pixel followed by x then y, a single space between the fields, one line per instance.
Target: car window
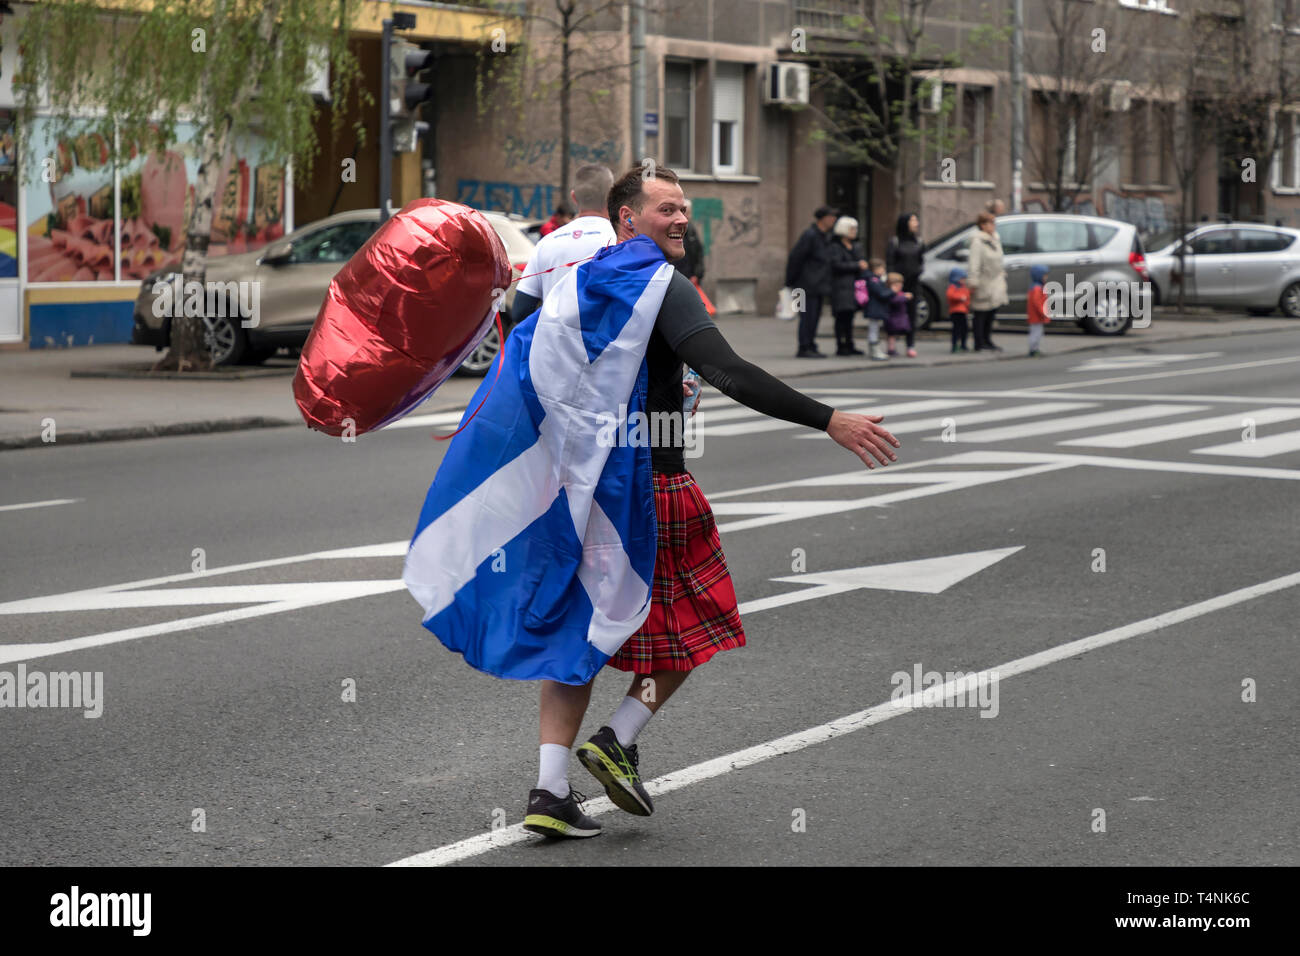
pixel 1014 236
pixel 951 251
pixel 1217 242
pixel 334 243
pixel 940 240
pixel 1098 236
pixel 1061 235
pixel 1263 240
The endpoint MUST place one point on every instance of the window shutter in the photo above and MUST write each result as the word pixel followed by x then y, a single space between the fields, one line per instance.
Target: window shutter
pixel 729 93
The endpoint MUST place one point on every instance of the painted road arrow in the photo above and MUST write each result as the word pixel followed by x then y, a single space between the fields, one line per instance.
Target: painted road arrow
pixel 926 576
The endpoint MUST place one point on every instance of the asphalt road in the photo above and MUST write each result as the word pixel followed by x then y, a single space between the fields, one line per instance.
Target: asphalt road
pixel 243 717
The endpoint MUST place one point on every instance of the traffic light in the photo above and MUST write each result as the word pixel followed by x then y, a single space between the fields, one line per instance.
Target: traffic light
pixel 407 90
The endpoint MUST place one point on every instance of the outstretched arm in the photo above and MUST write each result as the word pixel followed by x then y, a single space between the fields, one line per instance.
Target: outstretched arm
pixel 708 352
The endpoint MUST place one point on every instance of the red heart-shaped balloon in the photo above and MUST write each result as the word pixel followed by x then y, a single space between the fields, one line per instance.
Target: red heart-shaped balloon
pixel 400 317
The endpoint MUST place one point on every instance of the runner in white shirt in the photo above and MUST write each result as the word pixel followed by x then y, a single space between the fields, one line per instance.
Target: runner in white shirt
pixel 582 237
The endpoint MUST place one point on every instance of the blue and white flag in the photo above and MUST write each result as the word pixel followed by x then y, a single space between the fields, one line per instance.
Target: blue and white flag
pixel 535 551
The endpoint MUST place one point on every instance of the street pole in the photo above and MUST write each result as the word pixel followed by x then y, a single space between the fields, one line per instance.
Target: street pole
pixel 1018 107
pixel 638 79
pixel 385 121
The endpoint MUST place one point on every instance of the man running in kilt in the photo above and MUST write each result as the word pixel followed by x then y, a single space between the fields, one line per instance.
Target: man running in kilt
pixel 693 611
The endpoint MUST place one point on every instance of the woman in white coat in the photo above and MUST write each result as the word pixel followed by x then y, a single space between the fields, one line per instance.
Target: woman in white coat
pixel 987 280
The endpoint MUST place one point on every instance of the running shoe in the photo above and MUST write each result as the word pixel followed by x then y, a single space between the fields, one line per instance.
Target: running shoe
pixel 559 817
pixel 615 766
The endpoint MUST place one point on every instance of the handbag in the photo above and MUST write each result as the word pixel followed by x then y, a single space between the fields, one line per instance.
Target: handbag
pixel 860 293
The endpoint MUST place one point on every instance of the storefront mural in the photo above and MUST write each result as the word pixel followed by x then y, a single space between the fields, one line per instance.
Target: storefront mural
pixel 70 206
pixel 533 200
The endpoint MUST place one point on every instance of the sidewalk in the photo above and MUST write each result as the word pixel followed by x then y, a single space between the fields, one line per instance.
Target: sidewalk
pixel 48 384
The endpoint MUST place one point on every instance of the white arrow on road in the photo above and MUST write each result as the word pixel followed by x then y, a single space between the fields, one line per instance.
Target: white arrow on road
pixel 926 576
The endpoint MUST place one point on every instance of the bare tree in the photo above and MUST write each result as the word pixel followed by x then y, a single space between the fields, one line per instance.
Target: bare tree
pixel 1078 57
pixel 872 93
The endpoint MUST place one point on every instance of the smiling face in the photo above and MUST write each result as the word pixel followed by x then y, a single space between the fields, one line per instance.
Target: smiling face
pixel 662 217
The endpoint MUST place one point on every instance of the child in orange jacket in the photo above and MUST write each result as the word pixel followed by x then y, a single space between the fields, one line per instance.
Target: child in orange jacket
pixel 958 307
pixel 1037 310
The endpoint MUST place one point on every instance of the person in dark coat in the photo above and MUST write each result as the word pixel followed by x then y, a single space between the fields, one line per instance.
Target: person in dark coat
pixel 809 268
pixel 905 255
pixel 847 266
pixel 691 265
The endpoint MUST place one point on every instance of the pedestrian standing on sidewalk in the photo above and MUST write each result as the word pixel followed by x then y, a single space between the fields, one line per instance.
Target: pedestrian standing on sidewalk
pixel 898 322
pixel 1037 309
pixel 847 266
pixel 958 307
pixel 905 255
pixel 692 609
pixel 987 280
pixel 809 269
pixel 691 265
pixel 878 298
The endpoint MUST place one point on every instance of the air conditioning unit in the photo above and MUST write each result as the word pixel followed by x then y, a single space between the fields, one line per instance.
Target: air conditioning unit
pixel 1119 96
pixel 786 83
pixel 931 98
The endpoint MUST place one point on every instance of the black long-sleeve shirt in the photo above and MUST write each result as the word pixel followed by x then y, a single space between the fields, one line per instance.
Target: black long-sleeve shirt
pixel 684 335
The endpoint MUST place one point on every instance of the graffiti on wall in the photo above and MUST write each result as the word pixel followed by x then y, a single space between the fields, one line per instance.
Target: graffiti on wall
pixel 704 213
pixel 542 151
pixel 1148 213
pixel 533 200
pixel 747 226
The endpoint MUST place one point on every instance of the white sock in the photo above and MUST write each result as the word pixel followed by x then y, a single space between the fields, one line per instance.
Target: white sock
pixel 629 720
pixel 554 773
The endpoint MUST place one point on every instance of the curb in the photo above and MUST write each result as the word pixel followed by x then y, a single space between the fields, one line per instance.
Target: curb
pixel 143 373
pixel 146 431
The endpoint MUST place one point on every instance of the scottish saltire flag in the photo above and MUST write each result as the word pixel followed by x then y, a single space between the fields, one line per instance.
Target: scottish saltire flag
pixel 535 551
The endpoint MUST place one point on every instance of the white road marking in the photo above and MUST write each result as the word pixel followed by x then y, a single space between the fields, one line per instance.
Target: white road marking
pixel 1132 464
pixel 1156 434
pixel 1259 448
pixel 801 740
pixel 924 576
pixel 40 504
pixel 776 512
pixel 441 419
pixel 1168 374
pixel 1125 362
pixel 909 426
pixel 1072 423
pixel 1085 396
pixel 775 424
pixel 306 593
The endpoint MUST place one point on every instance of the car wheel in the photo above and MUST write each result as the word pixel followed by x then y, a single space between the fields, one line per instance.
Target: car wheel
pixel 1290 301
pixel 927 309
pixel 1104 322
pixel 481 359
pixel 226 340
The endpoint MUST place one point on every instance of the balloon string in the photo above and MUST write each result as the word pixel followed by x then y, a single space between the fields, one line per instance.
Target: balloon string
pixel 501 337
pixel 501 355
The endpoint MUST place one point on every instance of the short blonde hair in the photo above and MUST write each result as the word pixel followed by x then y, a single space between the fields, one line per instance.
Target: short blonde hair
pixel 894 277
pixel 844 225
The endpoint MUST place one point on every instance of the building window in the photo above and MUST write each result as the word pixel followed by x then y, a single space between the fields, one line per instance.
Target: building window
pixel 679 99
pixel 1286 167
pixel 1160 6
pixel 728 118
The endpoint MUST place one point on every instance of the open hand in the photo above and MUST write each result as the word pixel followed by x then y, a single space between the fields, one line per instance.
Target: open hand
pixel 862 435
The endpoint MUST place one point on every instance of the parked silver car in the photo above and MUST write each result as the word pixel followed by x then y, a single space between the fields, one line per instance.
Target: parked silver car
pixel 1089 248
pixel 1230 264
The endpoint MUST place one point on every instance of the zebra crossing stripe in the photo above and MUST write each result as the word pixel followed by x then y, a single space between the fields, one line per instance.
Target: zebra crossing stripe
pixel 1075 423
pixel 974 418
pixel 1259 448
pixel 1204 426
pixel 898 408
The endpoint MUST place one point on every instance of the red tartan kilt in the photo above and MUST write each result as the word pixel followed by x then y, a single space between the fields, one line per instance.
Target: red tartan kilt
pixel 693 612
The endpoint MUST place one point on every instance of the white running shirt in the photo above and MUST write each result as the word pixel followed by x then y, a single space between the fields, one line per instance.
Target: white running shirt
pixel 579 239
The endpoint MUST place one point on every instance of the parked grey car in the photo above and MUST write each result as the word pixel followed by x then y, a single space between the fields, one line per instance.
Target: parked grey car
pixel 1230 264
pixel 1090 248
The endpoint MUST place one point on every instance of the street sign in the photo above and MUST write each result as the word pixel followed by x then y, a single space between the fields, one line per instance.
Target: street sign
pixel 652 124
